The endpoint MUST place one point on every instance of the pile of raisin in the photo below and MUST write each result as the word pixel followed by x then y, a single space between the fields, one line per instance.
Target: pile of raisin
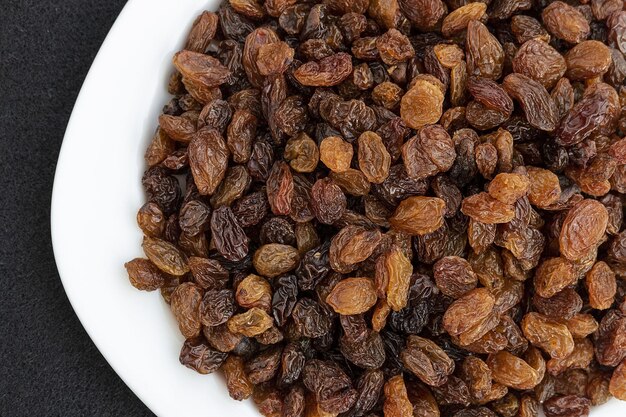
pixel 396 207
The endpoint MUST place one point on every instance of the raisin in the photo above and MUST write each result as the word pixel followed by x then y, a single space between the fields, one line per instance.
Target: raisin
pixel 144 275
pixel 548 334
pixel 427 361
pixel 185 304
pixel 565 22
pixel 468 310
pixel 396 398
pixel 511 371
pixel 566 406
pixel 329 71
pixel 537 104
pixel 485 56
pixel 601 286
pixel 486 209
pixel 251 323
pixel 331 386
pixel 422 104
pixel 374 159
pixel 328 202
pixel 418 215
pixel 583 229
pixel 352 296
pixel 393 273
pixel 237 382
pixel 588 59
pixel 196 354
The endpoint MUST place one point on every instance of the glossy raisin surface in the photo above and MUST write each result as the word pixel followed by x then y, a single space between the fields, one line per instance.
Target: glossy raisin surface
pixel 367 208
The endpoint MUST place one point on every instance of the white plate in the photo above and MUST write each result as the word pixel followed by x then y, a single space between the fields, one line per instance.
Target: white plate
pixel 96 195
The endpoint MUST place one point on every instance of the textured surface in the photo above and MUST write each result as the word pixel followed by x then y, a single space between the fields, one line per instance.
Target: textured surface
pixel 49 366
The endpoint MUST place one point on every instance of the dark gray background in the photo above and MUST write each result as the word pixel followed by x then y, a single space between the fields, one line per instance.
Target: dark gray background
pixel 48 364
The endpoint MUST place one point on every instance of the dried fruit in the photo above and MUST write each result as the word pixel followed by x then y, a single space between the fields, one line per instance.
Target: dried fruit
pixel 196 354
pixel 511 371
pixel 617 386
pixel 208 159
pixel 422 104
pixel 427 361
pixel 237 382
pixel 454 276
pixel 550 335
pixel 167 257
pixel 588 59
pixel 537 60
pixel 484 208
pixel 566 406
pixel 251 323
pixel 374 159
pixel 485 56
pixel 393 274
pixel 457 21
pixel 583 229
pixel 537 104
pixel 601 286
pixel 329 71
pixel 487 183
pixel 418 215
pixel 396 399
pixel 274 259
pixel 336 153
pixel 185 305
pixel 144 275
pixel 468 311
pixel 352 296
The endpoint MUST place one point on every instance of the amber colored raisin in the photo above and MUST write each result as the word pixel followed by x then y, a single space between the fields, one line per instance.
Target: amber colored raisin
pixel 208 159
pixel 545 188
pixel 336 153
pixel 565 22
pixel 167 257
pixel 617 385
pixel 397 402
pixel 583 229
pixel 601 286
pixel 548 334
pixel 185 305
pixel 588 59
pixel 468 310
pixel 512 371
pixel 553 275
pixel 237 382
pixel 251 323
pixel 427 361
pixel 144 275
pixel 486 209
pixel 457 21
pixel 393 273
pixel 254 291
pixel 422 104
pixel 374 159
pixel 328 71
pixel 352 296
pixel 508 188
pixel 418 215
